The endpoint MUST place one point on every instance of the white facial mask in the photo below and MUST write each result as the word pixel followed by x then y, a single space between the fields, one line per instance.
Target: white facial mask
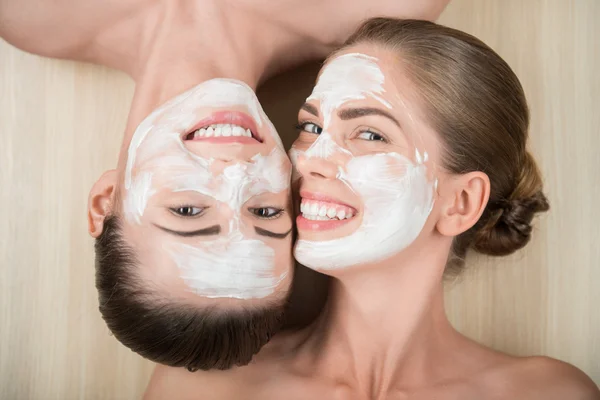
pixel 348 77
pixel 247 274
pixel 397 199
pixel 396 193
pixel 232 265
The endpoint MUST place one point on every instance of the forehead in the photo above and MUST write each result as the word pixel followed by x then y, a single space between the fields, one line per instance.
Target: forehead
pixel 371 76
pixel 369 67
pixel 240 268
pixel 365 72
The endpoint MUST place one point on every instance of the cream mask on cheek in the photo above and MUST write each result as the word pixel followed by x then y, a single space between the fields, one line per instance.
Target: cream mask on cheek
pixel 396 193
pixel 233 265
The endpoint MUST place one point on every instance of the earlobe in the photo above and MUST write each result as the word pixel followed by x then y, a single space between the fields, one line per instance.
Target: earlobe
pixel 463 202
pixel 100 202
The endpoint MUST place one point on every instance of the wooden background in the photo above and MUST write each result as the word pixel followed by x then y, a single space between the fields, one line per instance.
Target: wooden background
pixel 61 125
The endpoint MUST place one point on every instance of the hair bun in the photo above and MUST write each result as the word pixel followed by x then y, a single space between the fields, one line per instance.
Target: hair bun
pixel 508 227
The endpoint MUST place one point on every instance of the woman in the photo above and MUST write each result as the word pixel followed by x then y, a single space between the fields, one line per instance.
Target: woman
pixel 412 150
pixel 193 227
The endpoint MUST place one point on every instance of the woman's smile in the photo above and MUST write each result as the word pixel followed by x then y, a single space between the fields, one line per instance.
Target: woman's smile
pixel 319 212
pixel 226 127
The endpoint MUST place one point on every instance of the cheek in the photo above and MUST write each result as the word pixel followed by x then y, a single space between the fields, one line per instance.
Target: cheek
pixel 137 196
pixel 284 223
pixel 304 140
pixel 283 256
pixel 391 185
pixel 295 154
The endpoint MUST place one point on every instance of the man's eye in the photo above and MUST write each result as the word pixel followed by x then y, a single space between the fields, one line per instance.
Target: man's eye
pixel 310 128
pixel 187 211
pixel 266 212
pixel 371 136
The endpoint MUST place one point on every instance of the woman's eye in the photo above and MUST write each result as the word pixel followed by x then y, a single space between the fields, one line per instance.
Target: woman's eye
pixel 371 136
pixel 310 128
pixel 266 212
pixel 187 211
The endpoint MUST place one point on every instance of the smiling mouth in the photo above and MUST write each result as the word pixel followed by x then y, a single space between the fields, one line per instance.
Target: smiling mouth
pixel 219 130
pixel 321 214
pixel 225 126
pixel 325 211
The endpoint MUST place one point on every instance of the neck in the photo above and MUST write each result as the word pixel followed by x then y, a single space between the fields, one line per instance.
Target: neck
pixel 186 47
pixel 386 323
pixel 181 44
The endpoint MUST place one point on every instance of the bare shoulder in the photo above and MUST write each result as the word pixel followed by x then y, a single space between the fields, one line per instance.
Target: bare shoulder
pixel 59 28
pixel 32 25
pixel 313 17
pixel 560 380
pixel 543 378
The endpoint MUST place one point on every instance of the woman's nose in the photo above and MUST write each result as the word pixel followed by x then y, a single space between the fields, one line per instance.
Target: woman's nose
pixel 318 168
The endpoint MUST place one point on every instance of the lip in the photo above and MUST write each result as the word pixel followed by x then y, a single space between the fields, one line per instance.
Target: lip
pixel 304 224
pixel 228 117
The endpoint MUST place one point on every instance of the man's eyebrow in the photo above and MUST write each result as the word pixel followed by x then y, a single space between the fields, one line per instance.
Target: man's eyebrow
pixel 310 109
pixel 351 113
pixel 264 232
pixel 211 230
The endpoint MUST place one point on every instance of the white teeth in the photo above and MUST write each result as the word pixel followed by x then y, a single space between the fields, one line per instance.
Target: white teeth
pixel 314 209
pixel 200 133
pixel 237 131
pixel 315 212
pixel 316 218
pixel 331 212
pixel 217 130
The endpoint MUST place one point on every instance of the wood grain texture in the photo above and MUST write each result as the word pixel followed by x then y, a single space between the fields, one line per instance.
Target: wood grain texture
pixel 60 127
pixel 544 299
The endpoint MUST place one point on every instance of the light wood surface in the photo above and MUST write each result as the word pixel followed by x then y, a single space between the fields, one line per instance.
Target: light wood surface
pixel 60 127
pixel 545 299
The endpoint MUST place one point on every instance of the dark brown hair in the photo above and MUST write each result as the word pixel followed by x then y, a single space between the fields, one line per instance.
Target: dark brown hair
pixel 168 331
pixel 476 103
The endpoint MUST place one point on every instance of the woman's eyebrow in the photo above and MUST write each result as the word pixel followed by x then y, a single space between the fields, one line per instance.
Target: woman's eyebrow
pixel 211 230
pixel 309 108
pixel 264 232
pixel 351 113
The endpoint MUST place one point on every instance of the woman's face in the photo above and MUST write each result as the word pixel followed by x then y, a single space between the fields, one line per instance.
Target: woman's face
pixel 206 195
pixel 365 157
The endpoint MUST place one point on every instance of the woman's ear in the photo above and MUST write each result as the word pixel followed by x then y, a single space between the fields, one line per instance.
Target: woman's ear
pixel 463 199
pixel 100 201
